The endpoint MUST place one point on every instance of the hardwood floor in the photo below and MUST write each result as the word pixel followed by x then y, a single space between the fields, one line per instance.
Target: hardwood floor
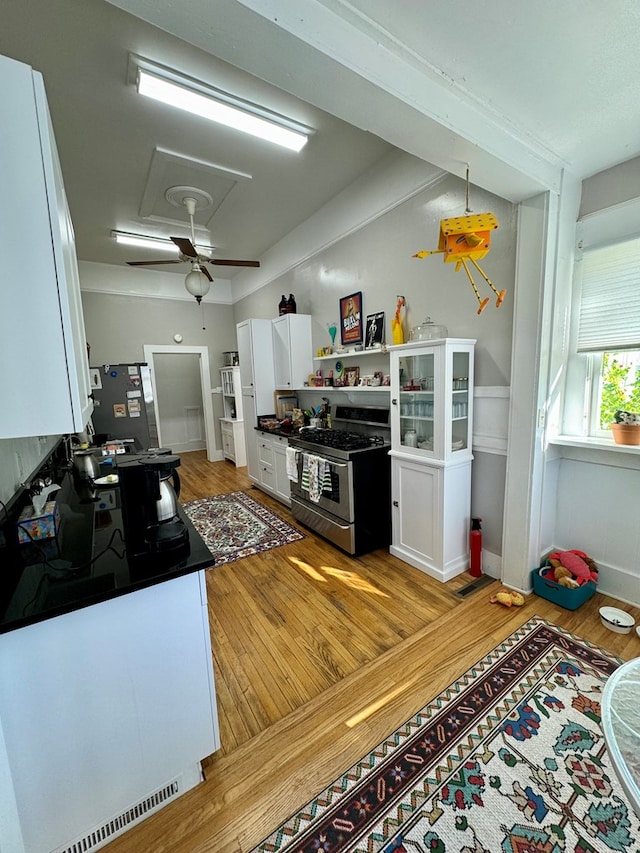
pixel 317 657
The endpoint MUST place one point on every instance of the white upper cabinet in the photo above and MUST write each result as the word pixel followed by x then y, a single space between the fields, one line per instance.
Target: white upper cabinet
pixel 255 354
pixel 44 382
pixel 292 352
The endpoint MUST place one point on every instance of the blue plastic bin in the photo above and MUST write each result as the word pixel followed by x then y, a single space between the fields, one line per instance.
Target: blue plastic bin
pixel 570 599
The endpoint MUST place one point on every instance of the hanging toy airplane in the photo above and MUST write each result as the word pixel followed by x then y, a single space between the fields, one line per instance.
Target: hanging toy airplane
pixel 467 238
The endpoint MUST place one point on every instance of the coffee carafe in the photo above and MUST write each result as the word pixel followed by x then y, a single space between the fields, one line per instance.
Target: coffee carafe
pixel 149 489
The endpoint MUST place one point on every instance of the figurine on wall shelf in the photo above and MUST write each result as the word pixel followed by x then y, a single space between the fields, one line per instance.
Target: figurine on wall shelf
pixel 397 333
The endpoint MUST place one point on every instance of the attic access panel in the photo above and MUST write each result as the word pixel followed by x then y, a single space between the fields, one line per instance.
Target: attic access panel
pixel 169 169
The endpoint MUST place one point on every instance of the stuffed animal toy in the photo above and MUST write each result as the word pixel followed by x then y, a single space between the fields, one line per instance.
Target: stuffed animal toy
pixel 507 597
pixel 581 567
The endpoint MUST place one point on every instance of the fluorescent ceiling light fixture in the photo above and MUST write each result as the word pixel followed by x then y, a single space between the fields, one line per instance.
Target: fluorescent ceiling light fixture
pixel 159 244
pixel 142 242
pixel 197 98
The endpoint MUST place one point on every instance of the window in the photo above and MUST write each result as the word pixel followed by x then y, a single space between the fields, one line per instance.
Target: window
pixel 604 364
pixel 618 387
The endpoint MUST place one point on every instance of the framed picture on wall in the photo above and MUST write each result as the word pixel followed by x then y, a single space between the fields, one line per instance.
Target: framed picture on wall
pixel 351 319
pixel 374 335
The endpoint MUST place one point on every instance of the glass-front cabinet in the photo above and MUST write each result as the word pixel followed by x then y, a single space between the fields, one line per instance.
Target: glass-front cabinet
pixel 432 398
pixel 431 439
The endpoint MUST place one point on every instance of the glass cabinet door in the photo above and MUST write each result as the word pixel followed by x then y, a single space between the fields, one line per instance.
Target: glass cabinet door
pixel 460 404
pixel 417 402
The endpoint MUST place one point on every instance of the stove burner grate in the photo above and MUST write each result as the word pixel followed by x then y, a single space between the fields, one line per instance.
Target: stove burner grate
pixel 340 439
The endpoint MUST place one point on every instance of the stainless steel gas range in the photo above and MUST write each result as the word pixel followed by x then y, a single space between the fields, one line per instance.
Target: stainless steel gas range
pixel 343 486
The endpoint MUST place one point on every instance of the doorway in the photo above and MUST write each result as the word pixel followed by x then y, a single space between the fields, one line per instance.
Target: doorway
pixel 151 350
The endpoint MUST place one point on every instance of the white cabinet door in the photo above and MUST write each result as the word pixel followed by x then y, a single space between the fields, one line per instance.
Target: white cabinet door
pixel 292 351
pixel 265 462
pixel 255 353
pixel 41 314
pixel 282 484
pixel 416 513
pixel 251 437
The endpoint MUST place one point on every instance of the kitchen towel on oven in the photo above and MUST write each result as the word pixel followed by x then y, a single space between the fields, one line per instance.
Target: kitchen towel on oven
pixel 292 463
pixel 316 476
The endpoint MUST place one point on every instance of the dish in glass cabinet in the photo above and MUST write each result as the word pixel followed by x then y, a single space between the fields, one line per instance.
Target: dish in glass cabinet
pixel 457 445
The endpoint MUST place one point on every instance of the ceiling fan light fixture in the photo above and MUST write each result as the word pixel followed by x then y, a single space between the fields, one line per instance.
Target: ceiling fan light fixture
pixel 169 87
pixel 196 283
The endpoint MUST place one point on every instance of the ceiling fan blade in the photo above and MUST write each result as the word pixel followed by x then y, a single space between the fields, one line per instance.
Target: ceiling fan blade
pixel 227 262
pixel 151 263
pixel 186 246
pixel 206 272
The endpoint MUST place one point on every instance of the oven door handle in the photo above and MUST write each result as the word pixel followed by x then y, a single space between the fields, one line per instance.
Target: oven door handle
pixel 336 464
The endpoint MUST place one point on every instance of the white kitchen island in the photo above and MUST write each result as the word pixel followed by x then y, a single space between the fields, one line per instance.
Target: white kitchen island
pixel 107 694
pixel 105 715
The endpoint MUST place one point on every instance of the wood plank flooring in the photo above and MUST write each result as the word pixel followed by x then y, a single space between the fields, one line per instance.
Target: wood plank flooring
pixel 317 657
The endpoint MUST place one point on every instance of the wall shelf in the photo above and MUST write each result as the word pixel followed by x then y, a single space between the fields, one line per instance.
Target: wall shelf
pixel 366 389
pixel 338 356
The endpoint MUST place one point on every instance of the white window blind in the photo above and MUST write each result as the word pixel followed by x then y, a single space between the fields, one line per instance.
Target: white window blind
pixel 610 298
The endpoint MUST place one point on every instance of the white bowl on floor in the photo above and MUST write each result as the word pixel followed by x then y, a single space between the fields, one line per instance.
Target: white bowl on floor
pixel 616 620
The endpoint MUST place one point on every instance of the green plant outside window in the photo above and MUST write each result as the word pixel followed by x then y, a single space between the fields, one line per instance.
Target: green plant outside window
pixel 619 384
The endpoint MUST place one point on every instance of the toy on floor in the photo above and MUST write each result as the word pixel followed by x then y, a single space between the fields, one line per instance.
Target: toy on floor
pixel 508 597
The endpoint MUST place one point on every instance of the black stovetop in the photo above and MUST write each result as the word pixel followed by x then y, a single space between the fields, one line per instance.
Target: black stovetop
pixel 342 442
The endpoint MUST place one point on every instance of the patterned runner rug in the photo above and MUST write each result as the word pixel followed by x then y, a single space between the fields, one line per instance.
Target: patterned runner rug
pixel 235 525
pixel 510 757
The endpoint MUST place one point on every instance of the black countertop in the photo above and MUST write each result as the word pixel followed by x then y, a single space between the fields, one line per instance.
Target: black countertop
pixel 88 564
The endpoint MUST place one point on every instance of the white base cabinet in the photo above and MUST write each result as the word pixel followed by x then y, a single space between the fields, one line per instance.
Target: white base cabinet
pixel 233 443
pixel 431 515
pixel 272 466
pixel 102 710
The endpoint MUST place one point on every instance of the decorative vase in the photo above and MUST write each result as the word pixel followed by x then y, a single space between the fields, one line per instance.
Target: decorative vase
pixel 626 433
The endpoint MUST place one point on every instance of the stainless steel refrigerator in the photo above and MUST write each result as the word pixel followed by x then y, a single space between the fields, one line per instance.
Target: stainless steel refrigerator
pixel 123 404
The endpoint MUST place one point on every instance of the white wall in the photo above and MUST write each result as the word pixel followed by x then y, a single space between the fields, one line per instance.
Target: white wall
pixel 371 251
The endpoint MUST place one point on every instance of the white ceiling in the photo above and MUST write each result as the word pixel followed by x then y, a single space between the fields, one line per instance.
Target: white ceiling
pixel 519 91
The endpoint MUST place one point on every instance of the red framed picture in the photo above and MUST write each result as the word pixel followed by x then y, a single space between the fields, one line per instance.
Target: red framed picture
pixel 351 319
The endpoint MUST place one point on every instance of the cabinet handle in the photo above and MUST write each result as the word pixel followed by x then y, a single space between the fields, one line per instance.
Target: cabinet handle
pixel 395 402
pixel 395 503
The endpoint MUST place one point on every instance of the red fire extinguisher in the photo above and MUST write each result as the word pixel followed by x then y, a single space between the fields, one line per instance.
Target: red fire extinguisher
pixel 475 548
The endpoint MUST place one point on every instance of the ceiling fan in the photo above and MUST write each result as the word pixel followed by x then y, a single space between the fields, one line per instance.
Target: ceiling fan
pixel 189 254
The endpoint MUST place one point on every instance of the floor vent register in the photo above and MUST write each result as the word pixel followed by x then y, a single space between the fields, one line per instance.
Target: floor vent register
pixel 101 835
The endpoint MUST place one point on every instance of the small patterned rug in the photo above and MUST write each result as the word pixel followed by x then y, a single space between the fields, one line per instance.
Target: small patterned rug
pixel 235 525
pixel 510 757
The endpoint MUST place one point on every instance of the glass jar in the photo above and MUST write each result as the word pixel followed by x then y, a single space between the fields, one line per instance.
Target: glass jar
pixel 410 438
pixel 428 331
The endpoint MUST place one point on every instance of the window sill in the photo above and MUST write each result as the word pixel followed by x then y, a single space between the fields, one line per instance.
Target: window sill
pixel 599 451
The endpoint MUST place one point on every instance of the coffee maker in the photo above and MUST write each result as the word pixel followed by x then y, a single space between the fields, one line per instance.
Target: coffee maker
pixel 149 488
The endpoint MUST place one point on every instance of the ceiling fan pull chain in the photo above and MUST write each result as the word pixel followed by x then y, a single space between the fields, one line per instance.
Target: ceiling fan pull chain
pixel 204 328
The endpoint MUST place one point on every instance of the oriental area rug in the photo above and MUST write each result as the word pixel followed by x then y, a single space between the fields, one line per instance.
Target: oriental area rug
pixel 235 525
pixel 510 758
